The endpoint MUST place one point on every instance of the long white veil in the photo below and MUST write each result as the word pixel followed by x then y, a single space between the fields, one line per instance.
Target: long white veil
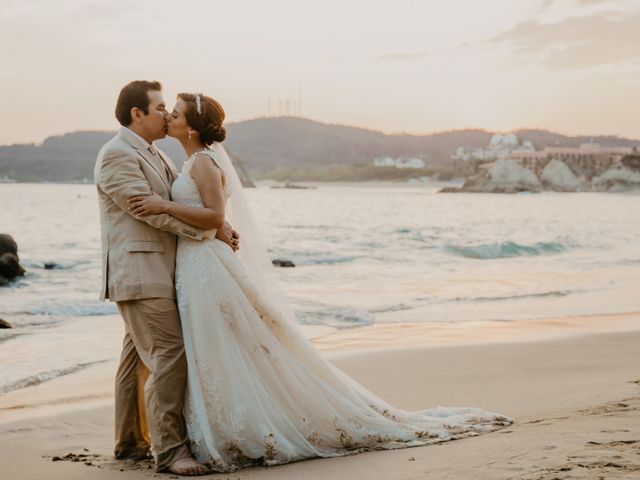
pixel 268 297
pixel 253 252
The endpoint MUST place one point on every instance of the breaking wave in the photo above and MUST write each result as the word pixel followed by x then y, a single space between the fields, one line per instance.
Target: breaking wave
pixel 76 310
pixel 337 318
pixel 505 250
pixel 45 376
pixel 328 260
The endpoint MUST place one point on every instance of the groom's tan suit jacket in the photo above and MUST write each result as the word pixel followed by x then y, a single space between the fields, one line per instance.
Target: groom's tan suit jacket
pixel 138 253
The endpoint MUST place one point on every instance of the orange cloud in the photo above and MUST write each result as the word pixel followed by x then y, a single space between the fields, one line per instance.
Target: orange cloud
pixel 576 42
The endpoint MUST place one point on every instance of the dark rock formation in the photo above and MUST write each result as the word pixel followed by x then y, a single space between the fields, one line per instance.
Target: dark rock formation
pixel 8 244
pixel 450 190
pixel 632 162
pixel 279 262
pixel 10 267
pixel 294 186
pixel 484 184
pixel 5 324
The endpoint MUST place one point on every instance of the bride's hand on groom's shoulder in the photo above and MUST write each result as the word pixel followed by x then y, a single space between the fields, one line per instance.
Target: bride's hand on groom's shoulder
pixel 229 236
pixel 148 204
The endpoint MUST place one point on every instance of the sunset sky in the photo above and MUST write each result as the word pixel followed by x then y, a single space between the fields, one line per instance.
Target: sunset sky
pixel 572 66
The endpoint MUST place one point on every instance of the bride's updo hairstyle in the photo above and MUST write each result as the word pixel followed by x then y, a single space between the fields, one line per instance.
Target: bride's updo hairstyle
pixel 205 116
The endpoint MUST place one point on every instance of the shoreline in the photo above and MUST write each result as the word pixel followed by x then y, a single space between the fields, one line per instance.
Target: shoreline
pixel 575 400
pixel 93 385
pixel 408 335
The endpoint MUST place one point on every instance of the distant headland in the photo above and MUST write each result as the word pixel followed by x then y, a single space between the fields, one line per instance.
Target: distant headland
pixel 297 149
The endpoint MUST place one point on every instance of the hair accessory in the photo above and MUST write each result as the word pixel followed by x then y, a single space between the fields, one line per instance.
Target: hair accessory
pixel 198 102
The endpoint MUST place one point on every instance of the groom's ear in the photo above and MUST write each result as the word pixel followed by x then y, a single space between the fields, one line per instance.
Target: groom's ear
pixel 136 115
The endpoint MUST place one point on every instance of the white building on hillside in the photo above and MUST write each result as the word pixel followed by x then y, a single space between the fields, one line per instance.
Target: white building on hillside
pixel 409 162
pixel 585 150
pixel 588 159
pixel 500 146
pixel 384 162
pixel 400 162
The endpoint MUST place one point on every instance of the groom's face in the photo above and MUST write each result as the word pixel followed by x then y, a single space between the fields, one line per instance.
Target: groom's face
pixel 154 123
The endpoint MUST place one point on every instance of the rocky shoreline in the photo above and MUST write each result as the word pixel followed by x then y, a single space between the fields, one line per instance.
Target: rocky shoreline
pixel 10 267
pixel 511 176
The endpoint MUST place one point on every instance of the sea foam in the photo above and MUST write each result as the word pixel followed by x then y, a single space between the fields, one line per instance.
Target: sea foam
pixel 505 250
pixel 42 377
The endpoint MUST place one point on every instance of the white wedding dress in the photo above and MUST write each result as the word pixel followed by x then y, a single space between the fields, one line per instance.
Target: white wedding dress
pixel 258 391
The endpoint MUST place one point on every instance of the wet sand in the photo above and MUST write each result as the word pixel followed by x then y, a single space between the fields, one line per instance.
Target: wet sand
pixel 572 387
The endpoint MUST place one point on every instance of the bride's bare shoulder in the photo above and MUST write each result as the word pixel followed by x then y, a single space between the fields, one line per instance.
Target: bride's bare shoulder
pixel 206 158
pixel 206 168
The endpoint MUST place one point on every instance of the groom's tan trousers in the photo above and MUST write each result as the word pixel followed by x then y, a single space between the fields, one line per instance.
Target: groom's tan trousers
pixel 152 347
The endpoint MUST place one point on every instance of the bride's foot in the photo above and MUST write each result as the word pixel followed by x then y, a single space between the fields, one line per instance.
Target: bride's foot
pixel 188 467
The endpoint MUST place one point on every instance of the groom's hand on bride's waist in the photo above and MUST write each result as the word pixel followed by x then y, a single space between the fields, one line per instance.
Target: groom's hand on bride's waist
pixel 229 236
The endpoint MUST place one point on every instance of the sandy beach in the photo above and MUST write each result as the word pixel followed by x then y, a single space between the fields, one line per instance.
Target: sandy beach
pixel 573 389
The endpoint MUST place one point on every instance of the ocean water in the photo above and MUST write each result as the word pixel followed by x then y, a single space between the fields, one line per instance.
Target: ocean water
pixel 365 254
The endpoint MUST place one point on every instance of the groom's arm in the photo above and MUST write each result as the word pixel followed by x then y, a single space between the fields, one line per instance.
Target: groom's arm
pixel 121 178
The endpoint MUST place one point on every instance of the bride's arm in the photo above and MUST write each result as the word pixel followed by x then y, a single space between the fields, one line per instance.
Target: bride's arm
pixel 208 178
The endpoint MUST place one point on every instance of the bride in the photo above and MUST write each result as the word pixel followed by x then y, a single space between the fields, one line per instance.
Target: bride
pixel 258 391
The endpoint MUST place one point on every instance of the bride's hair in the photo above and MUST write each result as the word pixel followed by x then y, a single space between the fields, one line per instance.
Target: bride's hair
pixel 206 119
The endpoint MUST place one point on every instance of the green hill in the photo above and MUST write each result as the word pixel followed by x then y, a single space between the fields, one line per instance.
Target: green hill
pixel 267 147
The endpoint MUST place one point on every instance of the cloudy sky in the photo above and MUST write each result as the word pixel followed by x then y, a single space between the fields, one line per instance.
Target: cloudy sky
pixel 571 66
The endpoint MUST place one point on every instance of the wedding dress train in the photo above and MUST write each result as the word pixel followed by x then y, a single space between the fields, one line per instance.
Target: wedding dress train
pixel 258 391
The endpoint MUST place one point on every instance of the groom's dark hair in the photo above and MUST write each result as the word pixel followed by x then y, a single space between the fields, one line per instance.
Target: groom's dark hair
pixel 132 95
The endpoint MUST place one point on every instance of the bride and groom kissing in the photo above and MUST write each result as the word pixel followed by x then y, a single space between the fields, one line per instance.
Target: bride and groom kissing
pixel 215 374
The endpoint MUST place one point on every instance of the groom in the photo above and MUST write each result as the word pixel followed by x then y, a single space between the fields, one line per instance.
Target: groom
pixel 138 263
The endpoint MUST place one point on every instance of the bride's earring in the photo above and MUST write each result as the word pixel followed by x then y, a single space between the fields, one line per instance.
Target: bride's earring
pixel 189 134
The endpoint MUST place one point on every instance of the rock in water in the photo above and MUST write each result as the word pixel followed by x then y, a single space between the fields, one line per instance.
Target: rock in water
pixel 8 244
pixel 10 267
pixel 559 177
pixel 505 176
pixel 5 324
pixel 294 186
pixel 632 161
pixel 509 173
pixel 617 178
pixel 278 262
